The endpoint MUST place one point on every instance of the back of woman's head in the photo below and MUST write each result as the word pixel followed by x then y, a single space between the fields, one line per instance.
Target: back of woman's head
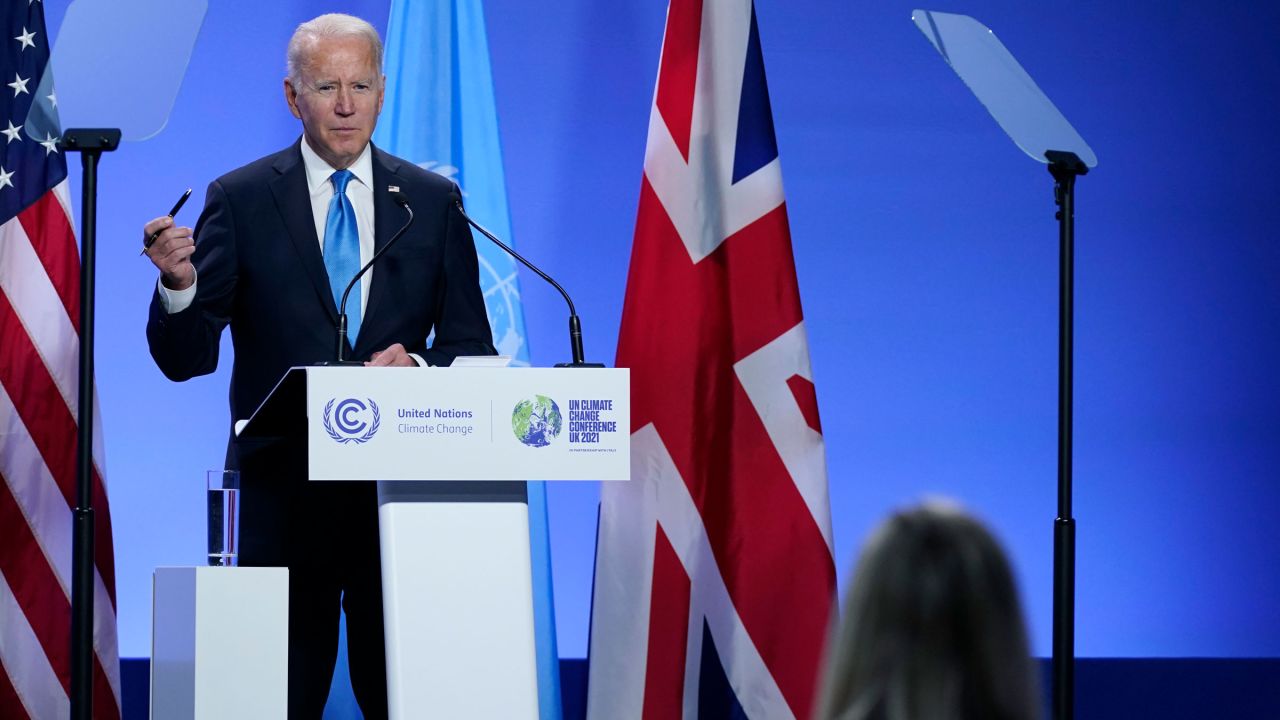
pixel 931 628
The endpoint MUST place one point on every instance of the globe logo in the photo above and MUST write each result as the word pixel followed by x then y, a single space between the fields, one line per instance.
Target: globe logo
pixel 536 422
pixel 350 420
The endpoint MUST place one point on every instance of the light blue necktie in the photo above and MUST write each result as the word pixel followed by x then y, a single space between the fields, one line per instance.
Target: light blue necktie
pixel 342 251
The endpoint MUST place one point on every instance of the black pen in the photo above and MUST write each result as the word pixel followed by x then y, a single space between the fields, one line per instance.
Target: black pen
pixel 176 207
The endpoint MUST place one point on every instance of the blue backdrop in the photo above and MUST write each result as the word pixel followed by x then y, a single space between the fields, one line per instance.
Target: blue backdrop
pixel 927 254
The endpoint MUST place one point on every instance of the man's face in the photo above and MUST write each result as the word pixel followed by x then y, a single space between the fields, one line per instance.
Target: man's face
pixel 338 98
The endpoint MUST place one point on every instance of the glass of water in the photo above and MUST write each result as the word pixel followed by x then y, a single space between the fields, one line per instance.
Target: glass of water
pixel 223 490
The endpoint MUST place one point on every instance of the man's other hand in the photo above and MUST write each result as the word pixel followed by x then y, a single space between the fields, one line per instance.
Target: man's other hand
pixel 394 356
pixel 171 252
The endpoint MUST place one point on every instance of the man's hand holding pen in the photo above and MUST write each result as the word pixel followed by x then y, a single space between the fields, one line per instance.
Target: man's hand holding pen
pixel 170 252
pixel 170 248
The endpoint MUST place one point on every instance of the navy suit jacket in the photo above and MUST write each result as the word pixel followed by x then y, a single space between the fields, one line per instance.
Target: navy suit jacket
pixel 260 270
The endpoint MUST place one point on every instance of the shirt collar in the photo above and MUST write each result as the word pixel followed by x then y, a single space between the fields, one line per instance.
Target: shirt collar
pixel 318 171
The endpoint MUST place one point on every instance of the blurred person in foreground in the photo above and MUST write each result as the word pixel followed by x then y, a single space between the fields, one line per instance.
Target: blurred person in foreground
pixel 931 627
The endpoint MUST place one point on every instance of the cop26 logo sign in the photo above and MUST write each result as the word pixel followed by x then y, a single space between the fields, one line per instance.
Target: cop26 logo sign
pixel 352 421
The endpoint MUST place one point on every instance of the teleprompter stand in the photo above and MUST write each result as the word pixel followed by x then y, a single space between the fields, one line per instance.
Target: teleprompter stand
pixel 1037 127
pixel 90 144
pixel 97 44
pixel 1065 167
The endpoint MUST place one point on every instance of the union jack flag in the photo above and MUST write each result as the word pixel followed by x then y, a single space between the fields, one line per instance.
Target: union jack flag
pixel 39 348
pixel 714 575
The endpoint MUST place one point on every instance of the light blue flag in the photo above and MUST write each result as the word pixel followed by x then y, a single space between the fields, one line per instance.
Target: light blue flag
pixel 440 113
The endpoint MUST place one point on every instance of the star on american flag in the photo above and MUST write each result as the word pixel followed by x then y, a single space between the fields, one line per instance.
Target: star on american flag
pixel 26 38
pixel 12 133
pixel 19 84
pixel 50 143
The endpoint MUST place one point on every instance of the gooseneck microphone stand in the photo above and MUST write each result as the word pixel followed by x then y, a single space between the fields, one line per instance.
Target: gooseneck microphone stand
pixel 90 143
pixel 1065 167
pixel 575 325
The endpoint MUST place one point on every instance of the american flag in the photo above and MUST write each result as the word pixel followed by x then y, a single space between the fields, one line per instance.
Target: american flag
pixel 39 346
pixel 714 576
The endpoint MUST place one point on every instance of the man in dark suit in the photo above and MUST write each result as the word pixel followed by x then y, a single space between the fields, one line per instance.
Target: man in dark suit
pixel 277 241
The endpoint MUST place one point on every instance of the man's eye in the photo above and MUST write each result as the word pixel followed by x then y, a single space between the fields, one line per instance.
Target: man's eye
pixel 324 89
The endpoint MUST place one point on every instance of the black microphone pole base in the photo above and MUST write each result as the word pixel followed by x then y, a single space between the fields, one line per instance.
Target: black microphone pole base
pixel 339 363
pixel 579 365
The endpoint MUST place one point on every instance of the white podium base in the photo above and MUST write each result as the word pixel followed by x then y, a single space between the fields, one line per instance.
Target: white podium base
pixel 458 605
pixel 220 643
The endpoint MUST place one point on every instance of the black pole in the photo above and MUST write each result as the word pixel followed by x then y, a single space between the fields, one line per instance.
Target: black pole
pixel 1065 167
pixel 90 144
pixel 342 338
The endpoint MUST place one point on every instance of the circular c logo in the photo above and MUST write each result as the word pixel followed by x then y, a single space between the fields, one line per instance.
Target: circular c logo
pixel 347 416
pixel 346 422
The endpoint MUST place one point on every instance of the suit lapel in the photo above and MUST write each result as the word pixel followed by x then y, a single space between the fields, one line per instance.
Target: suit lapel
pixel 387 218
pixel 293 200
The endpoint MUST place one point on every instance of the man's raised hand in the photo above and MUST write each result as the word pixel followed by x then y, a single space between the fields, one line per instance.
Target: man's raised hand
pixel 171 252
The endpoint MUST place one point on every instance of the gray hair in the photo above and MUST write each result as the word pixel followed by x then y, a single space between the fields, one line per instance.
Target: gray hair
pixel 932 627
pixel 328 26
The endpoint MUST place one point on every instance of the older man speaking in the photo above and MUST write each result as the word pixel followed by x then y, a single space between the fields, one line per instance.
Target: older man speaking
pixel 277 242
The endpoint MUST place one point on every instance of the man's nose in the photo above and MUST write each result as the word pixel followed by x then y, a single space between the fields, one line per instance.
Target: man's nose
pixel 345 104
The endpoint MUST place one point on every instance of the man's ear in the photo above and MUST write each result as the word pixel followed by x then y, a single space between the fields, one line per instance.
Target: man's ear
pixel 291 97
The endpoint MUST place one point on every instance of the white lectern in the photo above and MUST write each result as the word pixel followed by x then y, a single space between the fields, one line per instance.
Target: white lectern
pixel 453 447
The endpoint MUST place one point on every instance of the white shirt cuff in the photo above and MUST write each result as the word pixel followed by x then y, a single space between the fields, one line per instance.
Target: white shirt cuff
pixel 418 359
pixel 175 301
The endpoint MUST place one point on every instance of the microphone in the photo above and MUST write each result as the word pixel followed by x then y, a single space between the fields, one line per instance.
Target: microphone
pixel 575 325
pixel 400 199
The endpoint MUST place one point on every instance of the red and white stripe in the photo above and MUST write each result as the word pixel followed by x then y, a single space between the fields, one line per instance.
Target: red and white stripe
pixel 726 521
pixel 39 346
